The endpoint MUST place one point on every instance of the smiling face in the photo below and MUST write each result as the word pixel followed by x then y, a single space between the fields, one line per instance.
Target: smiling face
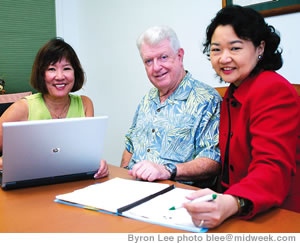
pixel 233 58
pixel 59 78
pixel 164 67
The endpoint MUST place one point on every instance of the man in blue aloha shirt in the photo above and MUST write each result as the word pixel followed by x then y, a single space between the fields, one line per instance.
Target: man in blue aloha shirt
pixel 174 134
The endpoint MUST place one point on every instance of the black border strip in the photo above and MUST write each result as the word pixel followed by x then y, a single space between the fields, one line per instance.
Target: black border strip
pixel 132 205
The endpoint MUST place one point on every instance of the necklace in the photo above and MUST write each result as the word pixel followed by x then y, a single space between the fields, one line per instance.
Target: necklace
pixel 60 115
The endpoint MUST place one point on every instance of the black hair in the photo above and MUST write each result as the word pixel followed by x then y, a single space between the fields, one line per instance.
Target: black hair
pixel 250 25
pixel 52 52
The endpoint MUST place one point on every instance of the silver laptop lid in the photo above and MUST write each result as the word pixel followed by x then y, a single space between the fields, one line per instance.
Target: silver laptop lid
pixel 51 148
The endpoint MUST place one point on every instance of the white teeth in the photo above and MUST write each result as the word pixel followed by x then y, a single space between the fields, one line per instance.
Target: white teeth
pixel 227 69
pixel 60 85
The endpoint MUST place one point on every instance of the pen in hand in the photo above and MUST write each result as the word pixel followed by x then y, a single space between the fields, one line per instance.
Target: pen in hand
pixel 205 198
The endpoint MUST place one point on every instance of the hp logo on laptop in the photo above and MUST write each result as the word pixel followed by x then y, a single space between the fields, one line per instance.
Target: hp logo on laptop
pixel 56 150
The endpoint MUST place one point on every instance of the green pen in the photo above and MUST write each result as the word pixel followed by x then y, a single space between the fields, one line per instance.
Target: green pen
pixel 205 198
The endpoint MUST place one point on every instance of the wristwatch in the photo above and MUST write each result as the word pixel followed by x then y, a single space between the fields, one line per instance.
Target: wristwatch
pixel 244 206
pixel 172 169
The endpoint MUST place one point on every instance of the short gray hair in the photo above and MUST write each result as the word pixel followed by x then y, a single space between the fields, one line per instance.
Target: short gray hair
pixel 156 34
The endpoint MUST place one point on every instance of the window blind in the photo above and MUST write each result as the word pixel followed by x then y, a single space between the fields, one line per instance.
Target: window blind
pixel 25 25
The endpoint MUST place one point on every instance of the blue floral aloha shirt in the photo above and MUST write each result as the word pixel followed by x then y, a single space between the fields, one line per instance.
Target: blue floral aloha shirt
pixel 184 127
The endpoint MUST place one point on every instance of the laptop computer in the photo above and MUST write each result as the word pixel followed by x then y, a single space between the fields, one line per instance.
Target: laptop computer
pixel 51 151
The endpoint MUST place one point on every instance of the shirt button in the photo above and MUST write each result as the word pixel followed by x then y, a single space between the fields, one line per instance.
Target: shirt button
pixel 158 110
pixel 233 103
pixel 231 168
pixel 148 150
pixel 231 134
pixel 153 130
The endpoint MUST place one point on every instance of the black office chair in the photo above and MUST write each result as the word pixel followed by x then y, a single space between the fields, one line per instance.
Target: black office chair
pixel 4 106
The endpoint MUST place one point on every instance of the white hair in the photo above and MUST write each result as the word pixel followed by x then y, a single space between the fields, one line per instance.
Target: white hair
pixel 156 34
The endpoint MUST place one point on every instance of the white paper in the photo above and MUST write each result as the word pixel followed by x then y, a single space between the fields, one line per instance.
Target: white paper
pixel 112 194
pixel 157 210
pixel 249 2
pixel 116 193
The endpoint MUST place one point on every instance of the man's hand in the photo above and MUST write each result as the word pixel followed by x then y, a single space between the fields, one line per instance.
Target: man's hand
pixel 149 171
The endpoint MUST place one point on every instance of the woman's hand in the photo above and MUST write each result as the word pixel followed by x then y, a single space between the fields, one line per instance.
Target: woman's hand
pixel 213 213
pixel 103 170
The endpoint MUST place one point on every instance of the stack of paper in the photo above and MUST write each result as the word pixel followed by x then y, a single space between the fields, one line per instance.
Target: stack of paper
pixel 146 201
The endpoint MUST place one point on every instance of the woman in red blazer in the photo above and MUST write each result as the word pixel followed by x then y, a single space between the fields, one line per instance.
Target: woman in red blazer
pixel 259 122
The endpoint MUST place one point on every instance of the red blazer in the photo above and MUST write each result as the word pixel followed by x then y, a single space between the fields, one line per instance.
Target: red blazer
pixel 264 135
